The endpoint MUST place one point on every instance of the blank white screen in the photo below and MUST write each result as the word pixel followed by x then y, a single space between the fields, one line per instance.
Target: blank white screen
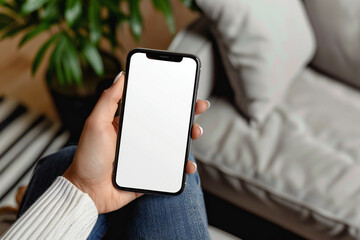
pixel 155 123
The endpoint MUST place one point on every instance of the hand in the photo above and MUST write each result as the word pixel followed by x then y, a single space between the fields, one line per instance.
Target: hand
pixel 92 166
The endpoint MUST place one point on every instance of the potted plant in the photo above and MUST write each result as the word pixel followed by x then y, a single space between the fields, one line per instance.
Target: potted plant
pixel 78 68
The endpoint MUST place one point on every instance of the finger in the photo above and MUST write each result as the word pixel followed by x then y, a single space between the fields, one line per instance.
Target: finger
pixel 197 131
pixel 116 122
pixel 201 106
pixel 191 167
pixel 106 107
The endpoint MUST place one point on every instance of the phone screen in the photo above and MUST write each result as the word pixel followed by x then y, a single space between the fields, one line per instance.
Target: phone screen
pixel 155 123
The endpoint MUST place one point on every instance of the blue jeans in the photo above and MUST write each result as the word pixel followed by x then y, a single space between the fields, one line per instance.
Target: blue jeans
pixel 149 217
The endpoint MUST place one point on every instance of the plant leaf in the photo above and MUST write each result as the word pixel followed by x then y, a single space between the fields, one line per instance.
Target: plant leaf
pixel 114 18
pixel 55 62
pixel 32 5
pixel 92 55
pixel 73 11
pixel 59 73
pixel 110 30
pixel 164 6
pixel 94 21
pixel 5 20
pixel 65 61
pixel 8 6
pixel 40 54
pixel 32 33
pixel 50 69
pixel 67 70
pixel 135 18
pixel 114 10
pixel 190 4
pixel 56 58
pixel 51 11
pixel 187 3
pixel 72 61
pixel 13 30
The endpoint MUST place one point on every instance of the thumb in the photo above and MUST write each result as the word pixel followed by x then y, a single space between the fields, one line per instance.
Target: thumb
pixel 106 107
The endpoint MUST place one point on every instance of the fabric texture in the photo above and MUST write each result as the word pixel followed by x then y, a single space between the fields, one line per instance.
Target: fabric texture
pixel 149 217
pixel 305 158
pixel 45 173
pixel 337 29
pixel 264 44
pixel 62 212
pixel 25 136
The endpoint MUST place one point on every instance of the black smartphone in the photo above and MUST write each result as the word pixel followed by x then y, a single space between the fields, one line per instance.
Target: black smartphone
pixel 156 117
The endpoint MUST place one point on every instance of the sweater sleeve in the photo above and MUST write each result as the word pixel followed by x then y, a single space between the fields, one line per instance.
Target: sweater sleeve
pixel 62 212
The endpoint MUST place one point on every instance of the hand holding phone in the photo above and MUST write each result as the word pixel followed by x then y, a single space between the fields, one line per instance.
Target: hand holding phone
pixel 92 167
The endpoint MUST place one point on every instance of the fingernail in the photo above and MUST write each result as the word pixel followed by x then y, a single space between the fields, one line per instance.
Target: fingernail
pixel 207 103
pixel 195 165
pixel 118 77
pixel 201 130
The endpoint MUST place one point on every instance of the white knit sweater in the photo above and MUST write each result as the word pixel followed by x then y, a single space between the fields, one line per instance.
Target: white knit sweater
pixel 62 212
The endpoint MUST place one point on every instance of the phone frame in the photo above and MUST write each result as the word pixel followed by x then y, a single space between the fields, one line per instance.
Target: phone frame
pixel 165 56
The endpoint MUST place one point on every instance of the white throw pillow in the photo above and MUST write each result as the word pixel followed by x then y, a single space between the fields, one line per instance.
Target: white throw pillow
pixel 337 29
pixel 264 45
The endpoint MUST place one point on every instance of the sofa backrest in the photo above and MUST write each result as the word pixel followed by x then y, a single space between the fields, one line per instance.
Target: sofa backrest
pixel 336 24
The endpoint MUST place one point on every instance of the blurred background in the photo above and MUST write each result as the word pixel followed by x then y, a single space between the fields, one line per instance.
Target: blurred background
pixel 280 153
pixel 18 82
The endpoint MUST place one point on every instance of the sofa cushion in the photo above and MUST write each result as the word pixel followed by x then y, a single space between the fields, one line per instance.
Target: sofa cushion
pixel 300 168
pixel 337 30
pixel 264 44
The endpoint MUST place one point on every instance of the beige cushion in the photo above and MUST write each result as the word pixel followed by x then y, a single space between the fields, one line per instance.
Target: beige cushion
pixel 337 28
pixel 217 234
pixel 264 44
pixel 300 168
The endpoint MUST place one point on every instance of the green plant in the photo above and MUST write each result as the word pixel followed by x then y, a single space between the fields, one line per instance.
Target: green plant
pixel 76 28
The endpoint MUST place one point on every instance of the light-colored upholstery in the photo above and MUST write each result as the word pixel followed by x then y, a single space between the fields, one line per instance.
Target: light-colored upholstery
pixel 300 168
pixel 259 42
pixel 299 160
pixel 336 25
pixel 217 234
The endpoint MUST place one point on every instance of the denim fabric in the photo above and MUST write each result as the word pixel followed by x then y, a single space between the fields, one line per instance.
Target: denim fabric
pixel 149 217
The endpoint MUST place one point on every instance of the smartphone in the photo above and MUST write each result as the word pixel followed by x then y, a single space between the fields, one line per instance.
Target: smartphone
pixel 156 117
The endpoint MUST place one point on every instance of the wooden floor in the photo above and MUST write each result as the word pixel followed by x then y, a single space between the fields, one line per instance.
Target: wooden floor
pixel 17 82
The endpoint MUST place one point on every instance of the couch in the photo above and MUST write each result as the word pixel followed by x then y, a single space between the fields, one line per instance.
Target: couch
pixel 298 163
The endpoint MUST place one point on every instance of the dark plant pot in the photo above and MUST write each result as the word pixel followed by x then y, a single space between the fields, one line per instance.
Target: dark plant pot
pixel 73 107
